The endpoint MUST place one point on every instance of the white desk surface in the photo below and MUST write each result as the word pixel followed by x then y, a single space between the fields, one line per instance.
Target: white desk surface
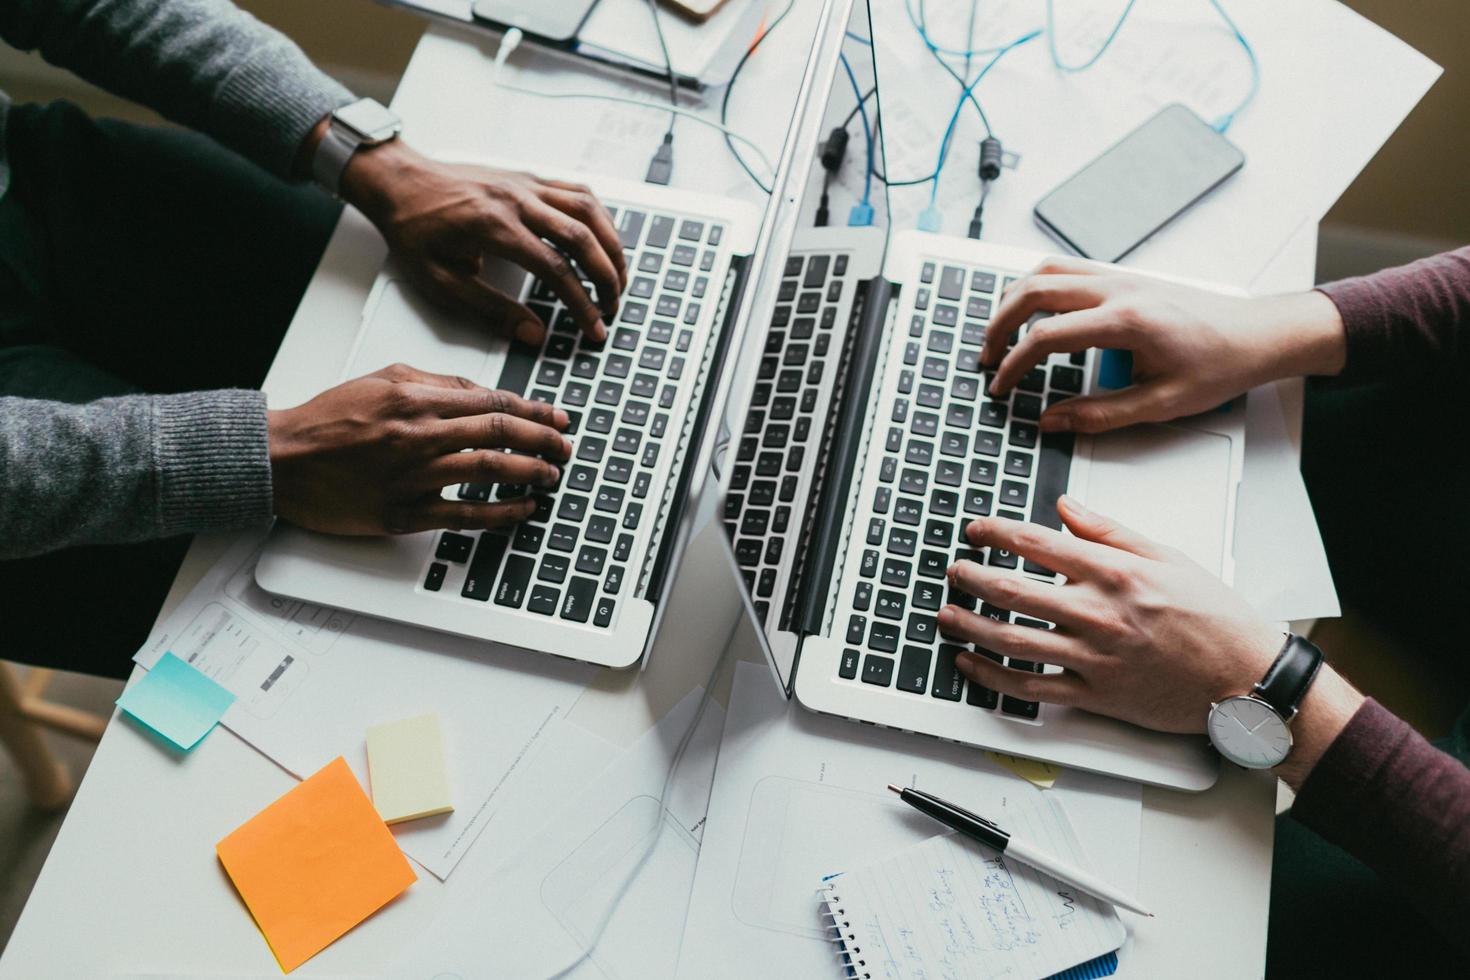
pixel 132 885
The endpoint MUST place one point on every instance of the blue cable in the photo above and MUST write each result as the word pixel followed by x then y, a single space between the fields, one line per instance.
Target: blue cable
pixel 862 214
pixel 1051 39
pixel 960 104
pixel 1223 123
pixel 859 38
pixel 936 48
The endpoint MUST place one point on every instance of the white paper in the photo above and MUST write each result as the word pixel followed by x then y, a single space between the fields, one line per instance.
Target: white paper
pixel 798 796
pixel 1333 87
pixel 1281 566
pixel 596 859
pixel 951 907
pixel 311 680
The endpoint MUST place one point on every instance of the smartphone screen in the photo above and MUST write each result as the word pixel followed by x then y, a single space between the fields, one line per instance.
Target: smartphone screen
pixel 1112 205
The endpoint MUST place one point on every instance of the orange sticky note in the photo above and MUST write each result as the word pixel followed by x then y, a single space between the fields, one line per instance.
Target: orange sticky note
pixel 314 864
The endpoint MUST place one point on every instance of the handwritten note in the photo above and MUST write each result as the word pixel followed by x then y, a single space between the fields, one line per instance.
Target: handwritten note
pixel 177 702
pixel 314 864
pixel 950 907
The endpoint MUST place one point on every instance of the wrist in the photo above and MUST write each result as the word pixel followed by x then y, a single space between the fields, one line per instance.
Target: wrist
pixel 371 176
pixel 1329 705
pixel 1301 333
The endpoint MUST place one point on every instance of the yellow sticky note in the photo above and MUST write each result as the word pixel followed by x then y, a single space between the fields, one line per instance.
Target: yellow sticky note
pixel 406 769
pixel 314 864
pixel 1042 774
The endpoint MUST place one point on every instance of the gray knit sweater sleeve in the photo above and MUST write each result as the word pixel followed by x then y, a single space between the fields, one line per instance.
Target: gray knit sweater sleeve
pixel 202 63
pixel 130 468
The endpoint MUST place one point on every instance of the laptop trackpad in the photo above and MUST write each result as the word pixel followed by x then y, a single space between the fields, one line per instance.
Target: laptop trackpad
pixel 1170 483
pixel 403 327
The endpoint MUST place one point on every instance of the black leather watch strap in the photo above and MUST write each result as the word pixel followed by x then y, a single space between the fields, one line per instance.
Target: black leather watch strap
pixel 1290 675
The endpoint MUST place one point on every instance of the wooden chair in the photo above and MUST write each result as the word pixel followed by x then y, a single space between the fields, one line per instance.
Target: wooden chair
pixel 23 713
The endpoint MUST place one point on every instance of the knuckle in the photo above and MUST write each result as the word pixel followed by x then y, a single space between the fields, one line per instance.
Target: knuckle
pixel 497 427
pixel 1006 589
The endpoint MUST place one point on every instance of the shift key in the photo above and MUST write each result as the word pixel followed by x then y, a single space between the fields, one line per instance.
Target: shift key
pixel 481 577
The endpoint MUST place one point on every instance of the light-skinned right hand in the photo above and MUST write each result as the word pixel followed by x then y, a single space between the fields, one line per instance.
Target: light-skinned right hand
pixel 1193 349
pixel 372 455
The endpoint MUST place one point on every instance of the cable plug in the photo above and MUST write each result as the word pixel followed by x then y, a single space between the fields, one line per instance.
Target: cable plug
pixel 508 44
pixel 661 167
pixel 930 219
pixel 824 213
pixel 991 158
pixel 976 221
pixel 861 215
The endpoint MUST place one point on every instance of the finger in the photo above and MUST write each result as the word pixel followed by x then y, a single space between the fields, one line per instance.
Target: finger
pixel 575 239
pixel 407 373
pixel 1064 689
pixel 582 204
pixel 1041 646
pixel 486 466
pixel 500 431
pixel 553 268
pixel 1147 402
pixel 1104 530
pixel 1070 556
pixel 1017 593
pixel 1064 333
pixel 488 401
pixel 1039 294
pixel 466 291
pixel 432 512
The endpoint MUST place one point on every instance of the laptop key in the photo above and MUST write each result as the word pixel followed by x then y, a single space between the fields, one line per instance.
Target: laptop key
pixel 878 670
pixel 614 580
pixel 480 578
pixel 513 584
pixel 553 569
pixel 883 637
pixel 951 283
pixel 544 599
pixel 581 593
pixel 921 628
pixel 520 362
pixel 896 573
pixel 949 683
pixel 454 547
pixel 528 538
pixel 847 668
pixel 435 579
pixel 590 560
pixel 933 564
pixel 604 614
pixel 624 547
pixel 913 670
pixel 856 628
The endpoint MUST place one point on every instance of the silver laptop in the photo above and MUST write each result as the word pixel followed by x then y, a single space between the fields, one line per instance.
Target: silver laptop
pixel 860 441
pixel 587 576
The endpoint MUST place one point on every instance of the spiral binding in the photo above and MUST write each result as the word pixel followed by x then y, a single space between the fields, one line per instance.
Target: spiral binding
pixel 848 953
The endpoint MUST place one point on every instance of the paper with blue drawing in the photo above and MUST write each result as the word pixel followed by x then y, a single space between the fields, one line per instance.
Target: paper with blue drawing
pixel 953 908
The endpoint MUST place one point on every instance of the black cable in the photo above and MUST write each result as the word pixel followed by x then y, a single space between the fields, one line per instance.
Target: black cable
pixel 858 108
pixel 730 87
pixel 661 167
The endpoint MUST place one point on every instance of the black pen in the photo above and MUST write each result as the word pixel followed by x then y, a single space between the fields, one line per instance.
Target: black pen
pixel 989 833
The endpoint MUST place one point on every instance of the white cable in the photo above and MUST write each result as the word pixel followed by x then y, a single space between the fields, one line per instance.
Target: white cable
pixel 512 40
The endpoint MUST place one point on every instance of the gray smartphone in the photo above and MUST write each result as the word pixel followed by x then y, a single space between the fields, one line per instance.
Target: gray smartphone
pixel 1138 185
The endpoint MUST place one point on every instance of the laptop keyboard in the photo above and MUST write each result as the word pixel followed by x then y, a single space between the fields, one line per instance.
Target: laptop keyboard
pixel 627 398
pixel 944 452
pixel 778 450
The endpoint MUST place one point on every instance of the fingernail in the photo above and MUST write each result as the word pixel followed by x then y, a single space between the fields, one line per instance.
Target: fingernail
pixel 1056 422
pixel 562 419
pixel 566 446
pixel 599 330
pixel 951 571
pixel 530 332
pixel 973 529
pixel 1071 504
pixel 946 616
pixel 965 660
pixel 552 478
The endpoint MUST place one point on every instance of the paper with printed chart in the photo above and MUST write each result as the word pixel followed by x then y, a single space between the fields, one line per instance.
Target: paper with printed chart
pixel 1333 87
pixel 309 681
pixel 798 796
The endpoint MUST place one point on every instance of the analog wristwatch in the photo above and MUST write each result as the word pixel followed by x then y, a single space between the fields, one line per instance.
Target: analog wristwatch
pixel 1254 730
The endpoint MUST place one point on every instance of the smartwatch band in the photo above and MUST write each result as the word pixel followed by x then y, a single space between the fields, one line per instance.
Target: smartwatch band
pixel 331 157
pixel 1290 675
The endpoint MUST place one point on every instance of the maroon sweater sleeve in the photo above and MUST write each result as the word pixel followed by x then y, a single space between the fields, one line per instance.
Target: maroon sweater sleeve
pixel 1402 807
pixel 1408 322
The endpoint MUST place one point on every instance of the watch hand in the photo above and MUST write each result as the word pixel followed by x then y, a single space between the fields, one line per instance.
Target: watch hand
pixel 1252 729
pixel 1241 724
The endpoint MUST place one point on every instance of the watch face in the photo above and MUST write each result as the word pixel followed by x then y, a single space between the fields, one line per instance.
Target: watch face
pixel 1249 732
pixel 372 122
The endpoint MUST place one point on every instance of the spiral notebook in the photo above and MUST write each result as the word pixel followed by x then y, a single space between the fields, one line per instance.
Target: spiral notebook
pixel 950 907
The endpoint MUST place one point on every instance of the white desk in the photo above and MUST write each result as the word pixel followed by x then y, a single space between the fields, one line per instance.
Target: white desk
pixel 132 884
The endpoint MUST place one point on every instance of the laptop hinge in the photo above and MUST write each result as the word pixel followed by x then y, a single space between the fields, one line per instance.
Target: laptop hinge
pixel 830 517
pixel 679 499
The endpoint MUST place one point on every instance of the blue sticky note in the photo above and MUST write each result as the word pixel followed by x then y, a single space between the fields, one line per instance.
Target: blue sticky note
pixel 177 701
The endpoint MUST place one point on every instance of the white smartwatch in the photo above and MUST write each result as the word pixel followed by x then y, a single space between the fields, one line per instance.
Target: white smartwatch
pixel 365 122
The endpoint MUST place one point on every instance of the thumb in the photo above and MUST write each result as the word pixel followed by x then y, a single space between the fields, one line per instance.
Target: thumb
pixel 1104 530
pixel 1109 410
